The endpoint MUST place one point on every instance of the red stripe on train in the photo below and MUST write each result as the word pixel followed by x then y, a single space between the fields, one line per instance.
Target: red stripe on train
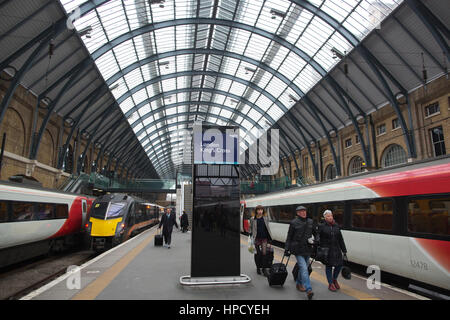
pixel 431 180
pixel 439 250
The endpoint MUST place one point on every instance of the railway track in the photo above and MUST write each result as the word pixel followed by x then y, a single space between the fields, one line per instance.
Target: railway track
pixel 20 280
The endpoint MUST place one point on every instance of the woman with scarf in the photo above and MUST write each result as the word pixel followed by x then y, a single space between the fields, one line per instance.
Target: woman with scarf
pixel 330 236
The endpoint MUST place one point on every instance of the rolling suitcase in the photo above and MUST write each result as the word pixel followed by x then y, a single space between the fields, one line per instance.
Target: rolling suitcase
pixel 278 273
pixel 158 240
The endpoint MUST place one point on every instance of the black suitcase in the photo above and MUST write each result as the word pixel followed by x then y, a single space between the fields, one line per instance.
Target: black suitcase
pixel 158 240
pixel 278 273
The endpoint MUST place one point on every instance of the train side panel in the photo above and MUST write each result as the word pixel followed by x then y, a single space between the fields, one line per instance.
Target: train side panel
pixel 19 233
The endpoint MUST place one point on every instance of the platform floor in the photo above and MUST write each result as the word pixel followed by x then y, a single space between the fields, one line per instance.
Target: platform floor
pixel 137 270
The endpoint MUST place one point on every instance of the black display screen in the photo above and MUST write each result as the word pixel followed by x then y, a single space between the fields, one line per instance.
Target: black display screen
pixel 215 230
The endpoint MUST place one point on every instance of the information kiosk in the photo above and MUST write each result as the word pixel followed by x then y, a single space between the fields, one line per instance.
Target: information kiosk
pixel 215 249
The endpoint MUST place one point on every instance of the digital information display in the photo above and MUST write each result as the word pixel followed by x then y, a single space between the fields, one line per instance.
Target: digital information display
pixel 215 225
pixel 216 145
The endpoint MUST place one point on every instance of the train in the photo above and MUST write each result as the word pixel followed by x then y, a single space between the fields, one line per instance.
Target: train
pixel 116 217
pixel 35 221
pixel 397 219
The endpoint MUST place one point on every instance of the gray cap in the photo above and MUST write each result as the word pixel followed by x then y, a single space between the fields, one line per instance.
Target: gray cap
pixel 300 208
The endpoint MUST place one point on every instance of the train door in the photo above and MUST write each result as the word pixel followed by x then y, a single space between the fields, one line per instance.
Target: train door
pixel 84 210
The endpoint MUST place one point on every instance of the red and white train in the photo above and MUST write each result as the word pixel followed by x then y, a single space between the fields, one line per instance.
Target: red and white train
pixel 397 219
pixel 34 220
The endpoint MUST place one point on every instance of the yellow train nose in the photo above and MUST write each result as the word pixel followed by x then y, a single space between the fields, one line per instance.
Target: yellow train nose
pixel 104 228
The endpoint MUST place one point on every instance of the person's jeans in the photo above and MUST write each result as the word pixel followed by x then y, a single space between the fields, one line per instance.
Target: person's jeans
pixel 332 275
pixel 303 274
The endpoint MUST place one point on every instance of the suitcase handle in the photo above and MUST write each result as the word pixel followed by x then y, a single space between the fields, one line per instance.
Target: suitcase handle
pixel 287 262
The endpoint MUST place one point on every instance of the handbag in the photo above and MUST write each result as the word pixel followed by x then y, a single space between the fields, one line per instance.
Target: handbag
pixel 346 271
pixel 251 246
pixel 322 254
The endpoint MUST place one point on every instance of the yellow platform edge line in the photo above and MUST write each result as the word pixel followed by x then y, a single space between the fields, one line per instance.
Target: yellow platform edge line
pixel 92 290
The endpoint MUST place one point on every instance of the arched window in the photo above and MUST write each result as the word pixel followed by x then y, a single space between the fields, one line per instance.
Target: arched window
pixel 355 165
pixel 46 150
pixel 68 163
pixel 14 128
pixel 393 155
pixel 330 172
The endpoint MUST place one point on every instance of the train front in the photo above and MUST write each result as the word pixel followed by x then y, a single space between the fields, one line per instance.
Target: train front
pixel 107 221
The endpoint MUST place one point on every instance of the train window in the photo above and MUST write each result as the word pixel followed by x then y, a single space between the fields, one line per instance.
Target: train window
pixel 3 211
pixel 99 210
pixel 115 210
pixel 23 211
pixel 45 211
pixel 429 215
pixel 336 208
pixel 286 213
pixel 372 214
pixel 61 211
pixel 274 213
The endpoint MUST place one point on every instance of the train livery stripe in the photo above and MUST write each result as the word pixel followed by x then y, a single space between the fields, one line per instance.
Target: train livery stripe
pixel 431 180
pixel 436 250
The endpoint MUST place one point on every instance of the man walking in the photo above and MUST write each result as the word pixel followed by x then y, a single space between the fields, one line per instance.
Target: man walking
pixel 167 221
pixel 299 242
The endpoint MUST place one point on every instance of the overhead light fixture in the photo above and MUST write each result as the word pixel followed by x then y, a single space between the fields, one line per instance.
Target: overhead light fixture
pixel 277 13
pixel 160 2
pixel 247 70
pixel 360 119
pixel 337 54
pixel 85 32
pixel 292 98
pixel 114 87
pixel 164 63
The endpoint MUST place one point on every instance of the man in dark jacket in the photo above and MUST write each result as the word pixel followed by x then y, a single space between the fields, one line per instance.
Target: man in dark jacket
pixel 167 221
pixel 299 242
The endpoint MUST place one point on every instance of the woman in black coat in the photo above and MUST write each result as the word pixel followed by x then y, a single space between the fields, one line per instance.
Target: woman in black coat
pixel 330 236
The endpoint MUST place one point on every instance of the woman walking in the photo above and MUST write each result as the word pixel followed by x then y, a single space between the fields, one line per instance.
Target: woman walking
pixel 330 236
pixel 261 236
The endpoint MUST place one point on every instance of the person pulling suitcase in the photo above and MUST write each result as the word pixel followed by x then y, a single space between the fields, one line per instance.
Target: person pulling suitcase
pixel 261 237
pixel 299 242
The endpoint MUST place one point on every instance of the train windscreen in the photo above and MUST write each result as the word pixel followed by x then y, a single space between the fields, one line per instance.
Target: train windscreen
pixel 103 210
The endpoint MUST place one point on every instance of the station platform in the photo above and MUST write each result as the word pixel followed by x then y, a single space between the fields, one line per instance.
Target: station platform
pixel 137 270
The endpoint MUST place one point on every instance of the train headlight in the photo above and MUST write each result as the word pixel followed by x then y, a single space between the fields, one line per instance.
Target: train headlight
pixel 120 229
pixel 88 227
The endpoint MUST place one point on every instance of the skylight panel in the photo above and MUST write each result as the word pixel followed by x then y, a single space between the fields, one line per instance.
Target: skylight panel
pixel 165 39
pixel 133 78
pixel 127 105
pixel 144 110
pixel 140 96
pixel 125 54
pixel 113 19
pixel 107 65
pixel 250 12
pixel 237 88
pixel 257 46
pixel 239 39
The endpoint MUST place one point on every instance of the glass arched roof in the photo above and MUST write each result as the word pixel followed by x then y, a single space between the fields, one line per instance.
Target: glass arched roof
pixel 169 63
